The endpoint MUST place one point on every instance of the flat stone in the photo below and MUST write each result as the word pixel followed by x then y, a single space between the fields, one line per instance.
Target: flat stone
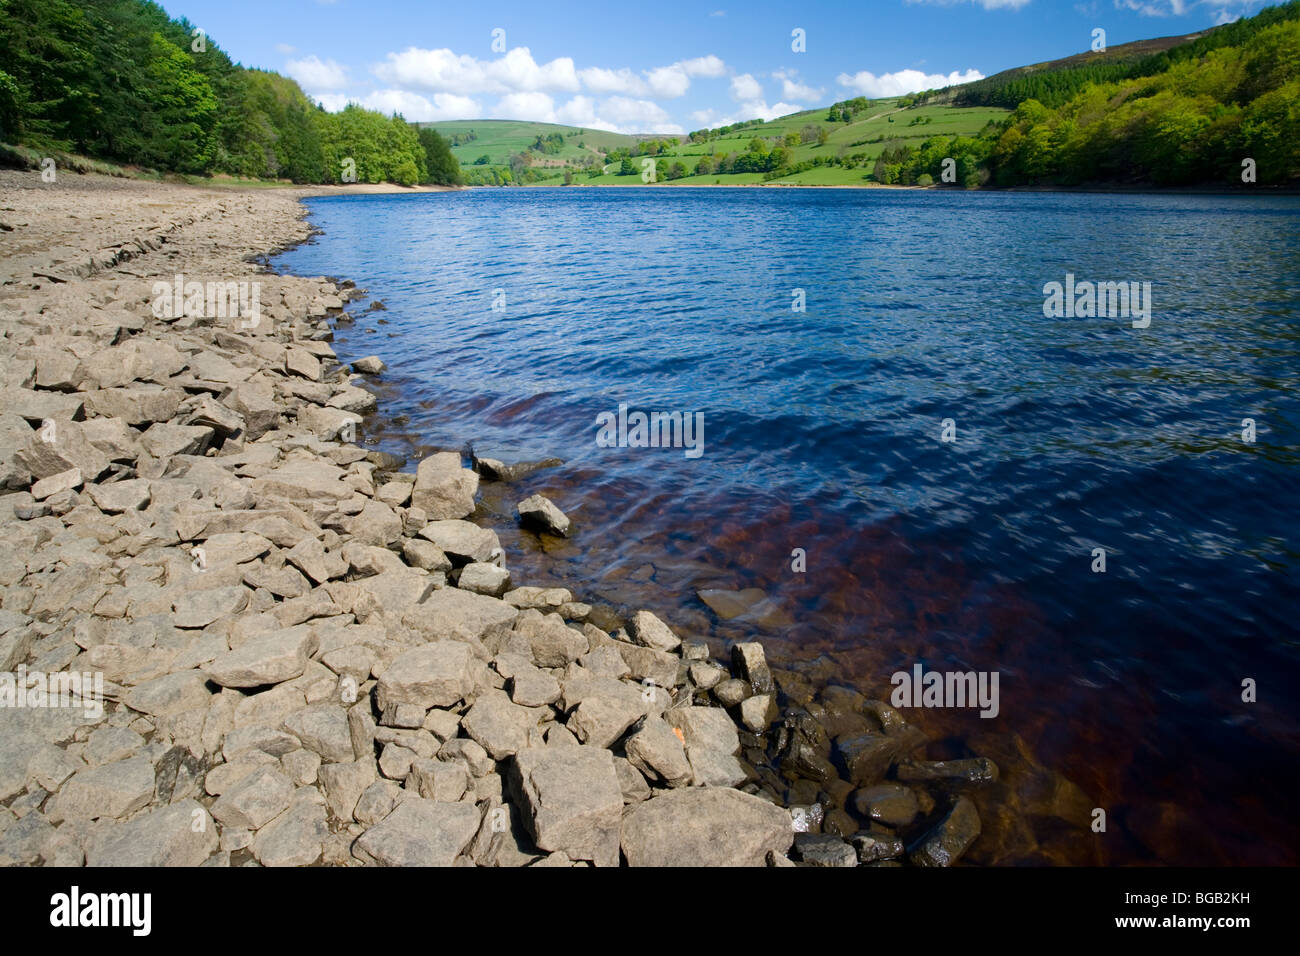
pixel 462 541
pixel 119 496
pixel 420 833
pixel 484 578
pixel 498 725
pixel 705 827
pixel 255 801
pixel 182 834
pixel 323 729
pixel 824 849
pixel 709 728
pixel 434 675
pixel 170 695
pixel 268 659
pixel 294 838
pixel 195 609
pixel 53 485
pixel 571 800
pixel 729 604
pixel 112 790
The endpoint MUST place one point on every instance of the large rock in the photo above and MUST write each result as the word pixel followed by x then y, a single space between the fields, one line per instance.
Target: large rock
pixel 254 801
pixel 61 447
pixel 950 838
pixel 541 514
pixel 179 835
pixel 267 659
pixel 498 725
pixel 434 675
pixel 121 496
pixel 443 489
pixel 571 800
pixel 553 643
pixel 311 480
pixel 112 790
pixel 420 832
pixel 453 614
pixel 295 837
pixel 705 827
pixel 708 728
pixel 170 695
pixel 323 729
pixel 648 630
pixel 462 541
pixel 200 608
pixel 656 751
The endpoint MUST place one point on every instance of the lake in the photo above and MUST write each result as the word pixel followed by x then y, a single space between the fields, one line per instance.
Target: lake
pixel 913 461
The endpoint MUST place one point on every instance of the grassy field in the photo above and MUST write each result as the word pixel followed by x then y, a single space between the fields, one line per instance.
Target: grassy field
pixel 884 123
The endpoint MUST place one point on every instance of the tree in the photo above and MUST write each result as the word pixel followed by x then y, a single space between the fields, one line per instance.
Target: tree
pixel 441 166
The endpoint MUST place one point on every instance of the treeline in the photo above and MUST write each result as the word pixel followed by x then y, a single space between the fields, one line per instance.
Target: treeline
pixel 119 80
pixel 1204 119
pixel 1054 88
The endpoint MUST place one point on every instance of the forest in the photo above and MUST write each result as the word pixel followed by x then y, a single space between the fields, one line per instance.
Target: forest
pixel 1222 109
pixel 120 81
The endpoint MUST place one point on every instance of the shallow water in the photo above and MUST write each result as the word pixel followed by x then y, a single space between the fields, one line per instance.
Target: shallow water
pixel 822 432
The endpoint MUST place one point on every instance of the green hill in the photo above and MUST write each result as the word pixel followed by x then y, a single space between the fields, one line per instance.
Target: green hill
pixel 543 153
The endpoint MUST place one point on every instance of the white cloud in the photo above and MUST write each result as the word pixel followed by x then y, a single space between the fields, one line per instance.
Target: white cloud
pixel 313 73
pixel 414 107
pixel 333 102
pixel 662 82
pixel 581 111
pixel 285 48
pixel 745 87
pixel 599 80
pixel 640 116
pixel 866 83
pixel 535 106
pixel 793 89
pixel 445 72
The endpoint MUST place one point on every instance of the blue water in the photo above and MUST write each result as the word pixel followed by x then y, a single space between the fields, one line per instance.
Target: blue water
pixel 822 431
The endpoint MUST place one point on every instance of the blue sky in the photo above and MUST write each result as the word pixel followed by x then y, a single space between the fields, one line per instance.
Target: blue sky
pixel 663 66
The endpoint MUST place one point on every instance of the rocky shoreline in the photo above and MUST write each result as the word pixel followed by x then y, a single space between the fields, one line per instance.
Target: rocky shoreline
pixel 310 657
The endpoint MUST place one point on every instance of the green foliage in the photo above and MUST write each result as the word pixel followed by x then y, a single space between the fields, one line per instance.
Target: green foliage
pixel 1193 122
pixel 120 80
pixel 440 165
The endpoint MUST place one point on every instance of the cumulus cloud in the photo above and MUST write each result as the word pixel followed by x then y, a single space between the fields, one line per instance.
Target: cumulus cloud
pixel 640 116
pixel 313 73
pixel 662 82
pixel 866 83
pixel 442 71
pixel 793 89
pixel 745 87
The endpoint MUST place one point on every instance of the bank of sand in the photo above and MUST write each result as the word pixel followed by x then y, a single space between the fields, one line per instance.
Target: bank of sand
pixel 306 654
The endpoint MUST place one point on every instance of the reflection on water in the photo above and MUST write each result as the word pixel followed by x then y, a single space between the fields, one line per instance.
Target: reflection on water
pixel 1119 690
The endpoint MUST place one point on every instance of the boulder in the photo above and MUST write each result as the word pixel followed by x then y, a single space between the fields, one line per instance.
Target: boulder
pixel 571 800
pixel 420 832
pixel 443 489
pixel 540 514
pixel 705 827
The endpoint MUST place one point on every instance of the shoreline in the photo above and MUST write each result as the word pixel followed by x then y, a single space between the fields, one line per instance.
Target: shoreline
pixel 315 653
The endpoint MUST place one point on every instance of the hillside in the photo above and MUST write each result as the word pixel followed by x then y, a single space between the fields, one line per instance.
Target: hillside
pixel 845 156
